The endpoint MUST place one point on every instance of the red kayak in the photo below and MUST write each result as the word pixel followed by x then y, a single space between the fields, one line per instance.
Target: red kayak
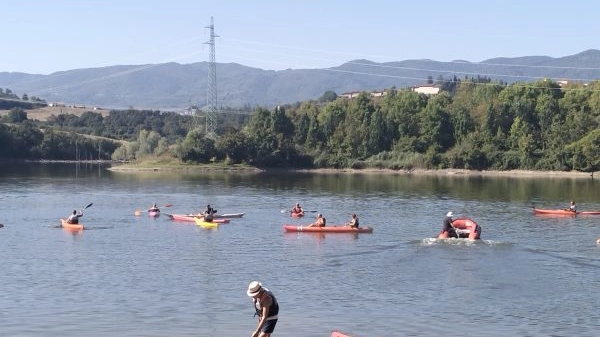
pixel 327 229
pixel 465 228
pixel 563 212
pixel 153 214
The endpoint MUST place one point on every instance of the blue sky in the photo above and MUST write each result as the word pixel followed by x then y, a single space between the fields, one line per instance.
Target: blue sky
pixel 42 36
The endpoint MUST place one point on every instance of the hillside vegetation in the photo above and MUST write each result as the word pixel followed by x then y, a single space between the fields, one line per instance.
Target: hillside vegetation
pixel 473 124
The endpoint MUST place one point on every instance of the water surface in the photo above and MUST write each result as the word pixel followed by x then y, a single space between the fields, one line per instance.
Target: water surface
pixel 138 276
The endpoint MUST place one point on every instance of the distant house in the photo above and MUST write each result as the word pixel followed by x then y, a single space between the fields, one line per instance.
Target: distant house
pixel 564 83
pixel 354 94
pixel 426 89
pixel 378 93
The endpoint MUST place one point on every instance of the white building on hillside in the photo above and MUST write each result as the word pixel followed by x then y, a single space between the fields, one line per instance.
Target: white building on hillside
pixel 427 89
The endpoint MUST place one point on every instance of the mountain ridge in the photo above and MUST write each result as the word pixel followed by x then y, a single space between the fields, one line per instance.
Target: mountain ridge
pixel 177 86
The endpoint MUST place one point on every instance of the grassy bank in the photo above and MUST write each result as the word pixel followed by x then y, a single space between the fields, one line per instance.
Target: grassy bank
pixel 172 164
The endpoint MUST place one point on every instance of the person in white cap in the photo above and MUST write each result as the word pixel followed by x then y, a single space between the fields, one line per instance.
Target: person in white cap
pixel 297 210
pixel 266 307
pixel 447 226
pixel 572 207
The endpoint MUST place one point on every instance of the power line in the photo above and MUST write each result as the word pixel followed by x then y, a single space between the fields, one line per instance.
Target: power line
pixel 312 52
pixel 212 90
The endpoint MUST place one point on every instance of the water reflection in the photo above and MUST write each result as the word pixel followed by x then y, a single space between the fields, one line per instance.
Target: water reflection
pixel 527 190
pixel 320 237
pixel 73 232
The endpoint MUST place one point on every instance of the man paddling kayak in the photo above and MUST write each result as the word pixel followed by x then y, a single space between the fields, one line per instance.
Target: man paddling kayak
pixel 74 217
pixel 209 213
pixel 447 225
pixel 154 208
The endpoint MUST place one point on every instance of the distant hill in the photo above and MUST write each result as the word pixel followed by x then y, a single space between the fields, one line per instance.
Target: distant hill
pixel 177 86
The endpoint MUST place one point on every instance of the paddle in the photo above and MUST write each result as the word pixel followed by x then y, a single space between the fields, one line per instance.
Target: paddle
pixel 200 214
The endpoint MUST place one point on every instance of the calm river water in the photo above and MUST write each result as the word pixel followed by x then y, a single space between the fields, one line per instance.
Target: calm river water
pixel 137 276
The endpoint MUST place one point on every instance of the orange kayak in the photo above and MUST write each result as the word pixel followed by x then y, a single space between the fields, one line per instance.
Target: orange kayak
pixel 327 229
pixel 465 228
pixel 563 212
pixel 72 226
pixel 338 334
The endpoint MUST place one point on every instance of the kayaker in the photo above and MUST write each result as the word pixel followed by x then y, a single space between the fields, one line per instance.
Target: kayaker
pixel 353 221
pixel 266 307
pixel 320 222
pixel 572 207
pixel 447 227
pixel 297 209
pixel 154 208
pixel 74 217
pixel 209 213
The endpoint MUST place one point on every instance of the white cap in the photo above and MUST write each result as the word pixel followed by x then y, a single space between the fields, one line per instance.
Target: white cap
pixel 254 288
pixel 449 214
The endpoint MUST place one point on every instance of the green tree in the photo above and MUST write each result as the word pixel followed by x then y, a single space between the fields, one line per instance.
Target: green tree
pixel 16 115
pixel 585 153
pixel 435 125
pixel 236 145
pixel 328 96
pixel 401 112
pixel 196 147
pixel 463 124
pixel 521 141
pixel 314 135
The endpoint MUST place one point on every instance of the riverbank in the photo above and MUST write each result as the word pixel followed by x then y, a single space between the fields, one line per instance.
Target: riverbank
pixel 129 167
pixel 172 165
pixel 151 167
pixel 461 172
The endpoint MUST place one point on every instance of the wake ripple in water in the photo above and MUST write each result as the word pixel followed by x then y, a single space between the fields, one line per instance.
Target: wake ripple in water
pixel 459 242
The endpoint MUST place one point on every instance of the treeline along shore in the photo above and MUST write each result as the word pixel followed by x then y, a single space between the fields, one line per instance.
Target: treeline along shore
pixel 472 124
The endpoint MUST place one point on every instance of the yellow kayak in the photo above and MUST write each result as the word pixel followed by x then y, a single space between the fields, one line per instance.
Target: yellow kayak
pixel 205 224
